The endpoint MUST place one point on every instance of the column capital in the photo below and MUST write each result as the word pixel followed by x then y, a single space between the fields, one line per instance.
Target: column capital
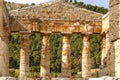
pixel 66 33
pixel 45 34
pixel 66 38
pixel 25 32
pixel 86 37
pixel 24 35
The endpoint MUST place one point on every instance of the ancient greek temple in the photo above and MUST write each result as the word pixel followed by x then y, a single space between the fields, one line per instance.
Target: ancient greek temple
pixel 64 18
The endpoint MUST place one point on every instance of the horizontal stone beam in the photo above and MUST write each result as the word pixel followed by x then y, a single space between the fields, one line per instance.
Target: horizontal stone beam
pixel 57 26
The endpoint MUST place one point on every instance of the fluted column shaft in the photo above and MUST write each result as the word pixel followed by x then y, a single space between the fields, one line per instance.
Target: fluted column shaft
pixel 103 55
pixel 86 63
pixel 4 57
pixel 24 54
pixel 66 61
pixel 4 51
pixel 45 56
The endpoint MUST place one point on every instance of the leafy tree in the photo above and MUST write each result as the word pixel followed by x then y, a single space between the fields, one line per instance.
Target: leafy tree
pixel 95 41
pixel 76 53
pixel 56 52
pixel 70 0
pixel 32 3
pixel 14 49
pixel 35 49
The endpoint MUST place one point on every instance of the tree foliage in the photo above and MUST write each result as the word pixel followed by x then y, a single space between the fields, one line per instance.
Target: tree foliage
pixel 90 7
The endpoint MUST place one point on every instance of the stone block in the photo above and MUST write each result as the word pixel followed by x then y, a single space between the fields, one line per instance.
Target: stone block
pixel 87 29
pixel 105 78
pixel 114 26
pixel 66 79
pixel 114 2
pixel 117 58
pixel 7 78
pixel 61 79
pixel 105 23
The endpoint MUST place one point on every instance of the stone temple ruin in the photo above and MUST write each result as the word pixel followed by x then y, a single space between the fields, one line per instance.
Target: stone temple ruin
pixel 64 18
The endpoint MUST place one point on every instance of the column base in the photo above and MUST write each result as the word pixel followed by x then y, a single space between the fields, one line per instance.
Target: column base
pixel 105 78
pixel 7 78
pixel 66 78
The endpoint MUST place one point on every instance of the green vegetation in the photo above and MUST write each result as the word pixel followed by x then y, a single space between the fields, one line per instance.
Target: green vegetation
pixel 91 7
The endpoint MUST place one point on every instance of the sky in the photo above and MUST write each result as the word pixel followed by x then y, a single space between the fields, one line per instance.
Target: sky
pixel 102 3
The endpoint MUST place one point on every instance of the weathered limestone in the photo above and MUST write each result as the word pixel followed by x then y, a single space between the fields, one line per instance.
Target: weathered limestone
pixel 24 55
pixel 104 71
pixel 103 55
pixel 7 78
pixel 4 51
pixel 105 78
pixel 1 18
pixel 45 56
pixel 54 11
pixel 55 18
pixel 4 58
pixel 113 58
pixel 86 62
pixel 105 45
pixel 66 60
pixel 114 19
pixel 62 79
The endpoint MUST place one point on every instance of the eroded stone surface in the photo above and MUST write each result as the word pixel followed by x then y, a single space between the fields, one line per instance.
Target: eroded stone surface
pixel 105 78
pixel 114 26
pixel 7 78
pixel 51 17
pixel 45 56
pixel 86 63
pixel 66 60
pixel 24 54
pixel 57 10
pixel 111 62
pixel 4 59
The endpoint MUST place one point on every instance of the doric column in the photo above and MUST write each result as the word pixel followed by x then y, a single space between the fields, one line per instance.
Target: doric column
pixel 4 57
pixel 45 56
pixel 104 70
pixel 86 62
pixel 4 51
pixel 24 54
pixel 66 61
pixel 103 55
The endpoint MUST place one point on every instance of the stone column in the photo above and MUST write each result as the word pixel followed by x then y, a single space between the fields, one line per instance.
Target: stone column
pixel 45 56
pixel 103 70
pixel 66 61
pixel 86 62
pixel 1 19
pixel 103 55
pixel 4 51
pixel 24 54
pixel 4 57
